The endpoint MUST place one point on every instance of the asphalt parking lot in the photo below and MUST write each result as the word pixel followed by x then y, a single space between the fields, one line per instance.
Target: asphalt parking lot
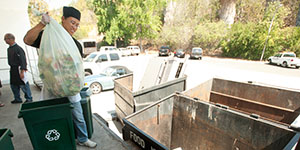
pixel 199 71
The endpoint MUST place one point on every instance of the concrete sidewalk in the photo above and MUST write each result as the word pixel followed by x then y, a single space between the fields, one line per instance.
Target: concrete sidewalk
pixel 103 136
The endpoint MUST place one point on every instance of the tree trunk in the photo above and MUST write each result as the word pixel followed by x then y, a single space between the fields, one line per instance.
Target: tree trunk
pixel 227 11
pixel 298 18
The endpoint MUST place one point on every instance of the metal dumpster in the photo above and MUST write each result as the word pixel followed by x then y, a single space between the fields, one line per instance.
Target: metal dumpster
pixel 179 121
pixel 271 103
pixel 128 101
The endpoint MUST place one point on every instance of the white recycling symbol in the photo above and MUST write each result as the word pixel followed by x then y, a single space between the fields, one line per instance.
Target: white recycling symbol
pixel 52 135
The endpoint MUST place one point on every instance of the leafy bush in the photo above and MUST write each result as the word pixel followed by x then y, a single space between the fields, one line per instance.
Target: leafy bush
pixel 208 35
pixel 291 39
pixel 247 40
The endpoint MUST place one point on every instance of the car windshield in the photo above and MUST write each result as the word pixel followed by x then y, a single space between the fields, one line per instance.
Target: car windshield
pixel 90 58
pixel 197 51
pixel 180 50
pixel 164 47
pixel 114 56
pixel 163 50
pixel 112 49
pixel 289 55
pixel 108 71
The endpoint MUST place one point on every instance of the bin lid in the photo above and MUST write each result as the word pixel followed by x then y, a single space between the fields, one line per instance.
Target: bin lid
pixel 44 104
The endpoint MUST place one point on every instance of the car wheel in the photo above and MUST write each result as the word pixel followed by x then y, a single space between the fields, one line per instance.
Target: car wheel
pixel 86 73
pixel 297 67
pixel 284 64
pixel 270 61
pixel 96 88
pixel 200 58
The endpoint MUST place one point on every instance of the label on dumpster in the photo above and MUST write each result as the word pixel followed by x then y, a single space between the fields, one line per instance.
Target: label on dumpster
pixel 52 135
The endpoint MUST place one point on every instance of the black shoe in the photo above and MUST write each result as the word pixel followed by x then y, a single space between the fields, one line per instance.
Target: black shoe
pixel 28 101
pixel 15 102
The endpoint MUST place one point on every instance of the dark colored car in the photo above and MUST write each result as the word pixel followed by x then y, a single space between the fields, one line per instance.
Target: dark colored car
pixel 164 51
pixel 179 53
pixel 196 53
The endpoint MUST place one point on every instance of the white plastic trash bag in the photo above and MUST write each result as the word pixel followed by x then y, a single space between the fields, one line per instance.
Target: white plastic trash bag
pixel 60 63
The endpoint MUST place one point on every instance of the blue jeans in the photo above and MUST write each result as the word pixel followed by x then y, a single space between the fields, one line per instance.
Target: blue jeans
pixel 79 122
pixel 26 90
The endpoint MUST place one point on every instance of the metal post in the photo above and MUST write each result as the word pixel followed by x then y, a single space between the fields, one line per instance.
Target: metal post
pixel 263 52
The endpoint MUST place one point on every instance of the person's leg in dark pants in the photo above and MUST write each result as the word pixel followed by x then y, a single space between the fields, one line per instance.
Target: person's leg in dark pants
pixel 16 91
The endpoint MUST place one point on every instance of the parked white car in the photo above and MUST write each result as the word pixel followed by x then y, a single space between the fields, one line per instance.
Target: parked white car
pixel 97 61
pixel 135 50
pixel 125 51
pixel 108 48
pixel 285 59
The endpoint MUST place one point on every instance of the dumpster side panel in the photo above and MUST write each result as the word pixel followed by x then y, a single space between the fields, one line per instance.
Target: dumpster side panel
pixel 263 94
pixel 123 96
pixel 123 105
pixel 201 91
pixel 126 81
pixel 128 102
pixel 147 96
pixel 124 93
pixel 156 121
pixel 204 126
pixel 264 110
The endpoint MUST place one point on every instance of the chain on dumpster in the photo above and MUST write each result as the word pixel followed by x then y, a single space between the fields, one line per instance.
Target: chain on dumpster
pixel 55 135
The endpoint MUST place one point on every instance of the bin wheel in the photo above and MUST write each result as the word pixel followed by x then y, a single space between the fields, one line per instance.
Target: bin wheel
pixel 96 88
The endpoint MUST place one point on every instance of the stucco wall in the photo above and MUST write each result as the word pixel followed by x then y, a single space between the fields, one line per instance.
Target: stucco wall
pixel 13 19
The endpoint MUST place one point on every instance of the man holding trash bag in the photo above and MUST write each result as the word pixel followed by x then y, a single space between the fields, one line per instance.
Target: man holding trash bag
pixel 70 22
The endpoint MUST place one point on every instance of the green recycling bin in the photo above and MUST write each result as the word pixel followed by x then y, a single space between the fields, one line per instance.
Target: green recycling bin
pixel 85 94
pixel 5 139
pixel 49 124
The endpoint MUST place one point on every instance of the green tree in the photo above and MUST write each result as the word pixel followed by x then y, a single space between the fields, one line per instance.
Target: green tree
pixel 247 40
pixel 88 21
pixel 34 8
pixel 106 13
pixel 126 20
pixel 143 18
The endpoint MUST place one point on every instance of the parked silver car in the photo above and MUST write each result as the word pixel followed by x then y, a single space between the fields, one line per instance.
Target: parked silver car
pixel 105 80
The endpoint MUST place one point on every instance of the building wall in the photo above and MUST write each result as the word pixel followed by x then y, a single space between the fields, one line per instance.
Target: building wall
pixel 14 19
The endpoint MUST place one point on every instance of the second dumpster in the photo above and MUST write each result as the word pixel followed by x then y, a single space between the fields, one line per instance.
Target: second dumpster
pixel 128 101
